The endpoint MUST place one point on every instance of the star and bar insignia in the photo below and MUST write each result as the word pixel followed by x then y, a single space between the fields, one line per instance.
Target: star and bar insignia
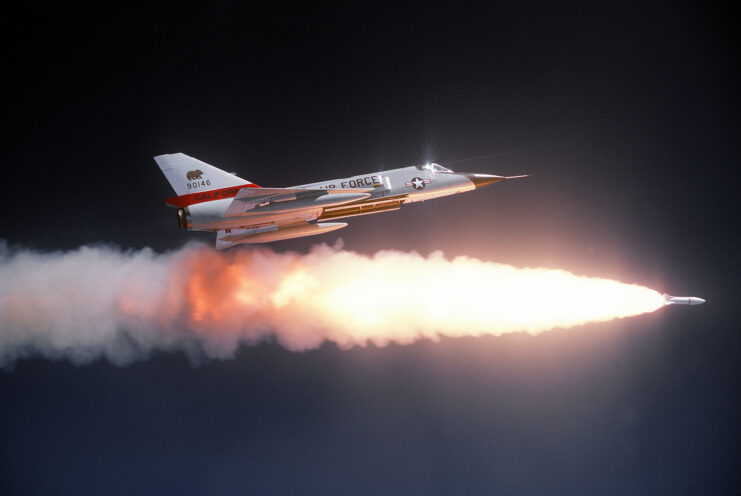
pixel 417 183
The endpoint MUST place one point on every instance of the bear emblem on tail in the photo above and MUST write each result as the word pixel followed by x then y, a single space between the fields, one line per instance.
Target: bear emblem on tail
pixel 194 174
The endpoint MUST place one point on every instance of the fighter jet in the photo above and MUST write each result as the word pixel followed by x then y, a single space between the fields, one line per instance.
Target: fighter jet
pixel 239 211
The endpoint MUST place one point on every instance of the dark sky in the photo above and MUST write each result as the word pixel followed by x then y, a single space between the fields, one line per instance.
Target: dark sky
pixel 627 117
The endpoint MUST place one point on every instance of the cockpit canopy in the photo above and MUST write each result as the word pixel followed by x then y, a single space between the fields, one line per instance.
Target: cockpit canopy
pixel 433 168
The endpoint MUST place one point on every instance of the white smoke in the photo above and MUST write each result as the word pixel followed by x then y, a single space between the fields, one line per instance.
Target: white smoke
pixel 123 305
pixel 64 304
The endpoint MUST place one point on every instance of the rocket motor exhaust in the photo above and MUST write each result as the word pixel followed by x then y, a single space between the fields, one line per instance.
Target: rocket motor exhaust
pixel 123 305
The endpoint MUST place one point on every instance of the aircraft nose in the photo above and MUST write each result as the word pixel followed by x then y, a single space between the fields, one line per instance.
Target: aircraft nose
pixel 480 180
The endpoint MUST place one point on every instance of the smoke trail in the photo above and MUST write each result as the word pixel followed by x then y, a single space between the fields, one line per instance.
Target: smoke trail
pixel 123 305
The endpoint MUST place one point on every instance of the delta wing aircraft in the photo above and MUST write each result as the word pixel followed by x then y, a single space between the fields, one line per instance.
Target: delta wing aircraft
pixel 238 211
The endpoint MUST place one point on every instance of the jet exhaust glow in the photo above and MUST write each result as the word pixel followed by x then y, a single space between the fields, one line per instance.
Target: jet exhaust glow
pixel 123 305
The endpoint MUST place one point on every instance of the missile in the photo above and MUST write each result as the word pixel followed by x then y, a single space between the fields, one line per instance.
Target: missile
pixel 682 300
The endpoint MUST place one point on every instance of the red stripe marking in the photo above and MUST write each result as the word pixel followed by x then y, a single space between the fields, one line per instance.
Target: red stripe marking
pixel 183 201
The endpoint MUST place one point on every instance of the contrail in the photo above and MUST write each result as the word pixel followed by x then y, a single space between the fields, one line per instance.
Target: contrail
pixel 123 305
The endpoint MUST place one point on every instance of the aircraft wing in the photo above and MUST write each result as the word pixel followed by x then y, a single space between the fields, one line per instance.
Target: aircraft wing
pixel 261 200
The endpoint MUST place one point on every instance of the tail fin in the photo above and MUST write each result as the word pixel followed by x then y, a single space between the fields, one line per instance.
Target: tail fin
pixel 189 175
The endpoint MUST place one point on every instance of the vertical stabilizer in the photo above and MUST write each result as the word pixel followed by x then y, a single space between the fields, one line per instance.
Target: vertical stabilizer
pixel 189 175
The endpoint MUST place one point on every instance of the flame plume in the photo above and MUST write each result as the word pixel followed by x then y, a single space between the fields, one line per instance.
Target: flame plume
pixel 123 305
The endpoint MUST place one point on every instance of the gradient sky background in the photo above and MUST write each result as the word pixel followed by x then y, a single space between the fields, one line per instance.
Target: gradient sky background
pixel 627 117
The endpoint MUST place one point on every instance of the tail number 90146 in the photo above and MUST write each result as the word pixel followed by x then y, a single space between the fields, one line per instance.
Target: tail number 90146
pixel 199 184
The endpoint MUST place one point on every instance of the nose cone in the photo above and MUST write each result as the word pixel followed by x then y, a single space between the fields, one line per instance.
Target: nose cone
pixel 480 180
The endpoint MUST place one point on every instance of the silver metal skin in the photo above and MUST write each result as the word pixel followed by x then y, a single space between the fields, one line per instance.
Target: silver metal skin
pixel 257 215
pixel 682 300
pixel 239 236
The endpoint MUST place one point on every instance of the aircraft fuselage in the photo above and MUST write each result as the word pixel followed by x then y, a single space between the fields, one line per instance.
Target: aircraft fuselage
pixel 240 210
